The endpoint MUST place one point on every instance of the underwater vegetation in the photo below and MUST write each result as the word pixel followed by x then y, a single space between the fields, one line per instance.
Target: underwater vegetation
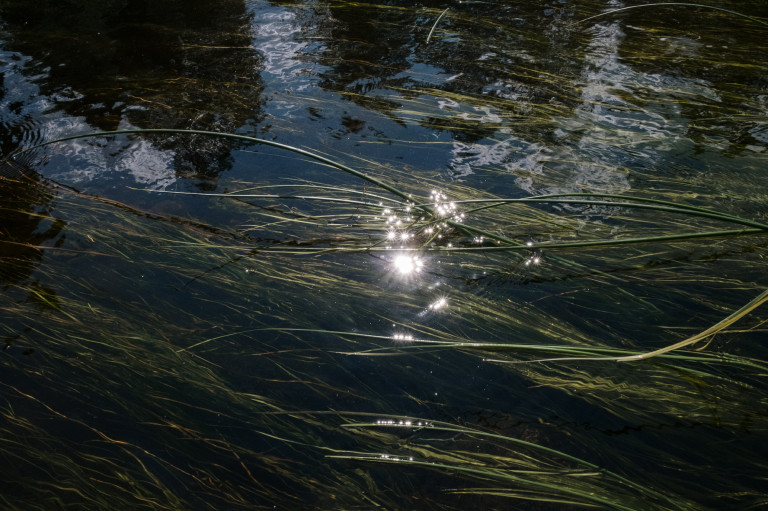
pixel 317 328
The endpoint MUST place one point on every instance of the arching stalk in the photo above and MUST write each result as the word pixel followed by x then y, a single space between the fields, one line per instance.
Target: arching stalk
pixel 673 4
pixel 234 136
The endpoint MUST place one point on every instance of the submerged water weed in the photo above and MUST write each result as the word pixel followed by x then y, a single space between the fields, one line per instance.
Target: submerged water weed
pixel 405 227
pixel 222 311
pixel 237 272
pixel 524 468
pixel 277 338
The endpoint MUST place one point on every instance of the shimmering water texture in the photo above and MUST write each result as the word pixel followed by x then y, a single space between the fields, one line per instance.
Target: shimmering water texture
pixel 341 255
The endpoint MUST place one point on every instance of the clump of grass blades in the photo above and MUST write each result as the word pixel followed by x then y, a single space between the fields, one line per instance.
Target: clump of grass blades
pixel 177 352
pixel 487 212
pixel 528 470
pixel 406 200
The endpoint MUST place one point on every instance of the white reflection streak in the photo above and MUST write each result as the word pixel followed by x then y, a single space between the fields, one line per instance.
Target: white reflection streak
pixel 274 39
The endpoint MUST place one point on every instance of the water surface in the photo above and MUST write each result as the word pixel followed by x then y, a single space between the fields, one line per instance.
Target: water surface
pixel 176 350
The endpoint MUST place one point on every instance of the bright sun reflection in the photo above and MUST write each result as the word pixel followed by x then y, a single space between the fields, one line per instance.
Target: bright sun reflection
pixel 405 264
pixel 402 337
pixel 438 304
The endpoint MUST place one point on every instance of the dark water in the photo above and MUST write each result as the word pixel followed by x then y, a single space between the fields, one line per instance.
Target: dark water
pixel 178 351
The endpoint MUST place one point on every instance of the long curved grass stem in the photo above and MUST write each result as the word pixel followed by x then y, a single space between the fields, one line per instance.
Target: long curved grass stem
pixel 233 136
pixel 714 329
pixel 673 4
pixel 637 203
pixel 429 36
pixel 238 195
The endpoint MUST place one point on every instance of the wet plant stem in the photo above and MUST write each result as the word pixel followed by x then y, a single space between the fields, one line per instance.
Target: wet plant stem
pixel 675 4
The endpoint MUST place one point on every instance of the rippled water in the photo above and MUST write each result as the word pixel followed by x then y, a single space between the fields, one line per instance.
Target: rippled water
pixel 357 347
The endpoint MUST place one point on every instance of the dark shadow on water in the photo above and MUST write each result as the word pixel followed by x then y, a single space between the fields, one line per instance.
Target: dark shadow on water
pixel 145 64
